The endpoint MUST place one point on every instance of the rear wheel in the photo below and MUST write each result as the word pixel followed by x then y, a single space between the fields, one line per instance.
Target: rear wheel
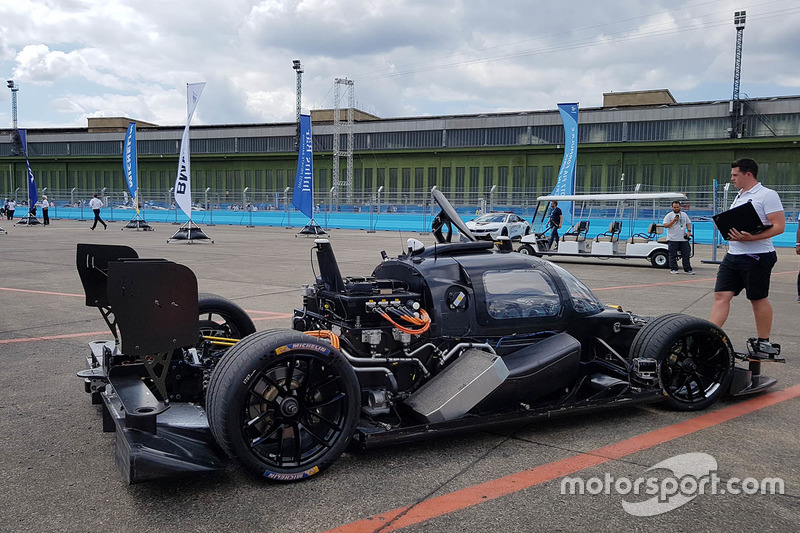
pixel 695 359
pixel 284 404
pixel 659 259
pixel 220 317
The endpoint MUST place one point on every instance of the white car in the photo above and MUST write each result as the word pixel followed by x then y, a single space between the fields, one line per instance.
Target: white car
pixel 493 225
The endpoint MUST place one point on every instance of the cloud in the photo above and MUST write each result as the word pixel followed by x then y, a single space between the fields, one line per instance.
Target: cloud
pixel 76 58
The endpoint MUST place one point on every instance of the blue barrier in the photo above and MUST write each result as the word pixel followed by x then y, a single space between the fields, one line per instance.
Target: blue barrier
pixel 410 222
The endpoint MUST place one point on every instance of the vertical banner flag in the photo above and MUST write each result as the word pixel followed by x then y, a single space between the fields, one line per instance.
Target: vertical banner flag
pixel 129 164
pixel 303 195
pixel 33 194
pixel 566 175
pixel 183 183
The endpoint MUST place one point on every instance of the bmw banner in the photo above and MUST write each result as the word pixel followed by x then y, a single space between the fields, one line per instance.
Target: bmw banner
pixel 565 184
pixel 129 163
pixel 33 194
pixel 183 182
pixel 303 195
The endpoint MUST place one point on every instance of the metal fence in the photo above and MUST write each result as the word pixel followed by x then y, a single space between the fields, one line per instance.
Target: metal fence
pixel 383 200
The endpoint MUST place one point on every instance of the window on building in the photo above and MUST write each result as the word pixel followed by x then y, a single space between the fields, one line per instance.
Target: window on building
pixel 358 180
pixel 392 192
pixel 368 180
pixel 488 177
pixel 631 177
pixel 474 183
pixel 518 185
pixel 648 176
pixel 419 180
pixel 432 177
pixel 666 177
pixel 406 181
pixel 548 178
pixel 684 177
pixel 580 179
pixel 460 185
pixel 704 175
pixel 446 180
pixel 596 184
pixel 783 174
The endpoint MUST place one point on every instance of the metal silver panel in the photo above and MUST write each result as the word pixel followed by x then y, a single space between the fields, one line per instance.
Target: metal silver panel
pixel 459 387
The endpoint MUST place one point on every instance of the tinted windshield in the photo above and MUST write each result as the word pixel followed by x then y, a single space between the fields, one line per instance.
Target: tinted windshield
pixel 520 293
pixel 583 299
pixel 490 218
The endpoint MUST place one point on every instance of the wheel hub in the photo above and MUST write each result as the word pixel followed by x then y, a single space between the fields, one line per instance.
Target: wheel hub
pixel 290 407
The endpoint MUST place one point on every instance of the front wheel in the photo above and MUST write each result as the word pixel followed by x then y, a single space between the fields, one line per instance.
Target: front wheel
pixel 659 259
pixel 526 249
pixel 284 404
pixel 695 359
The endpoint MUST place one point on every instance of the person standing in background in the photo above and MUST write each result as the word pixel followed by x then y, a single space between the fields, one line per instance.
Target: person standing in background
pixel 679 228
pixel 10 208
pixel 45 212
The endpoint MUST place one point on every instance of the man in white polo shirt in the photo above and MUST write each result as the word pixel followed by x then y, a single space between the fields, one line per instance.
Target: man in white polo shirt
pixel 750 258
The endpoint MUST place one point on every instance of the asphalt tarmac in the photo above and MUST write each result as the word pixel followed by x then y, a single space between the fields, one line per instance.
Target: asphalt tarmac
pixel 57 470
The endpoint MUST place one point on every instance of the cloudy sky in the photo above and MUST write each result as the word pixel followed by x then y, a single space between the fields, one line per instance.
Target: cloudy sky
pixel 73 59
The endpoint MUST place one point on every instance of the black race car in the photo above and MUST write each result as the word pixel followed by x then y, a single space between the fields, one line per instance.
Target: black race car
pixel 442 339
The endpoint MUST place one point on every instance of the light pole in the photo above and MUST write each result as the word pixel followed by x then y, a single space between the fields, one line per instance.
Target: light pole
pixel 13 86
pixel 739 18
pixel 298 68
pixel 14 135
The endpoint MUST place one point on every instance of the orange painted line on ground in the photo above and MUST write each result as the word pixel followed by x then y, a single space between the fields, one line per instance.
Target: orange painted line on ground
pixel 52 337
pixel 645 285
pixel 276 317
pixel 676 282
pixel 272 314
pixel 42 292
pixel 441 505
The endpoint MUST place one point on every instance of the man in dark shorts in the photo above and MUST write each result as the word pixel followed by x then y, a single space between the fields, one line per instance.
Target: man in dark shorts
pixel 750 258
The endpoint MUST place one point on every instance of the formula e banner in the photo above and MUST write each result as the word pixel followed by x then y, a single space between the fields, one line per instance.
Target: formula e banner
pixel 33 193
pixel 303 195
pixel 183 183
pixel 566 174
pixel 129 164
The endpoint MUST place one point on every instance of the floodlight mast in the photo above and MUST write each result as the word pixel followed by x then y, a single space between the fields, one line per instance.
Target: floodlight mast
pixel 736 104
pixel 298 68
pixel 13 86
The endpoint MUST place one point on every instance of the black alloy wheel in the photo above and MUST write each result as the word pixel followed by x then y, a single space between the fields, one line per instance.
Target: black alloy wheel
pixel 285 404
pixel 695 359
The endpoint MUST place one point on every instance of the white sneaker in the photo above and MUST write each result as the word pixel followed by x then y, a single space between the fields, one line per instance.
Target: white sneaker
pixel 673 271
pixel 691 272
